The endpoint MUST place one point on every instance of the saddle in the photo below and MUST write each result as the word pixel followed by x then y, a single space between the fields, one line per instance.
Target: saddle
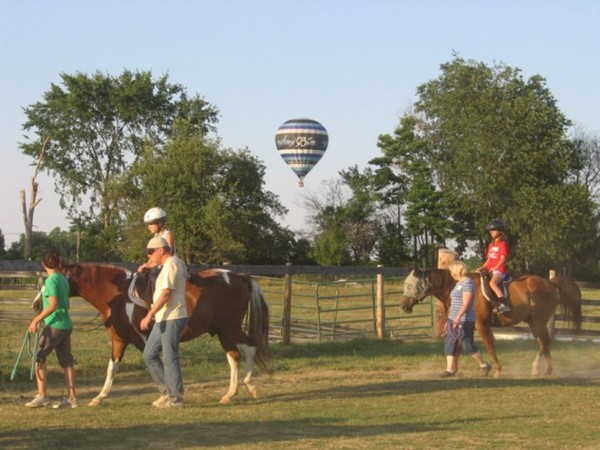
pixel 487 291
pixel 141 287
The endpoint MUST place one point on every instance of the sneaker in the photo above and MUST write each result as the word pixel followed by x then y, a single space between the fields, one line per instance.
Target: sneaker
pixel 160 400
pixel 66 403
pixel 503 309
pixel 38 402
pixel 171 404
pixel 485 369
pixel 447 373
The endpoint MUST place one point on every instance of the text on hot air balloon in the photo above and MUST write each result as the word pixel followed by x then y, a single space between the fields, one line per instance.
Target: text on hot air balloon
pixel 300 142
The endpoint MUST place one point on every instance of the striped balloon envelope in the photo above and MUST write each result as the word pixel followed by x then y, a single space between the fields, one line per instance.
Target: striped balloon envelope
pixel 301 143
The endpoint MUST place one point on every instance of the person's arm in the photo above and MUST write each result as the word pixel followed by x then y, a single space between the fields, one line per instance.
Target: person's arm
pixel 147 265
pixel 52 305
pixel 170 238
pixel 156 306
pixel 467 299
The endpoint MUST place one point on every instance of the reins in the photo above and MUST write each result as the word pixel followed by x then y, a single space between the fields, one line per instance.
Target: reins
pixel 89 322
pixel 429 290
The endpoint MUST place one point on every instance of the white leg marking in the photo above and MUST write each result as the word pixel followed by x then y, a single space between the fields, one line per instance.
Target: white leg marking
pixel 535 368
pixel 113 368
pixel 233 380
pixel 249 353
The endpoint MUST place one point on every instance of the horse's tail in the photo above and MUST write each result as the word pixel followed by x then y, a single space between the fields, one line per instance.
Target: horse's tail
pixel 570 301
pixel 258 325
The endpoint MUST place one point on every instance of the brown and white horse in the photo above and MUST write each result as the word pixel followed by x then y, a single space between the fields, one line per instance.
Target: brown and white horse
pixel 217 303
pixel 533 300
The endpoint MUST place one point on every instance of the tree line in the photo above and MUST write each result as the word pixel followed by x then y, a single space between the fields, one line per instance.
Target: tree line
pixel 480 142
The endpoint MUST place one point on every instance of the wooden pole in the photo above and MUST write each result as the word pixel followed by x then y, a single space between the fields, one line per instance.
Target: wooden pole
pixel 287 306
pixel 380 306
pixel 552 321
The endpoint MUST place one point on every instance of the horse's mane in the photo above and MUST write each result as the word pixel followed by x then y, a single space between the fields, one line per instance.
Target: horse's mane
pixel 99 271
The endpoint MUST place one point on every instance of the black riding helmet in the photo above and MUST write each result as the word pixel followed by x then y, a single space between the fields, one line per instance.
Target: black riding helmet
pixel 495 224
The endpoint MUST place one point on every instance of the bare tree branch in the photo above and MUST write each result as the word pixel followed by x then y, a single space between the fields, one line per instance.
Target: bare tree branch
pixel 34 201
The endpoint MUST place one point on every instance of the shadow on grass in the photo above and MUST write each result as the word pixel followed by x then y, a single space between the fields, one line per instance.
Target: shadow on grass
pixel 203 433
pixel 376 348
pixel 414 387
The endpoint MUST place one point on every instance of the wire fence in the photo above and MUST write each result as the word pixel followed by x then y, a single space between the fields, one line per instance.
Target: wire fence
pixel 322 308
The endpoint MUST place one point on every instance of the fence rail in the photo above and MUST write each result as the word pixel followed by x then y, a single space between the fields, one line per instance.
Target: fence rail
pixel 302 309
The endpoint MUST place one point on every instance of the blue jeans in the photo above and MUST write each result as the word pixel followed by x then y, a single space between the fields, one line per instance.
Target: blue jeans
pixel 166 372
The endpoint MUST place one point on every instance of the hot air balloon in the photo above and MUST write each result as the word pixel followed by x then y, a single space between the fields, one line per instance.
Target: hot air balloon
pixel 301 143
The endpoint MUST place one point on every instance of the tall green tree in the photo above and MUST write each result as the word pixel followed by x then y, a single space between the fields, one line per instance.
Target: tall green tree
pixel 485 142
pixel 98 125
pixel 215 199
pixel 406 180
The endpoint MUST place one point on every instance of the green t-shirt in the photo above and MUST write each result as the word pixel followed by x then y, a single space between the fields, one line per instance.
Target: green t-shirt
pixel 56 285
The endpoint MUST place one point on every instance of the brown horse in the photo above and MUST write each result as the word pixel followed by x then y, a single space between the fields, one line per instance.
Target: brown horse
pixel 217 303
pixel 533 300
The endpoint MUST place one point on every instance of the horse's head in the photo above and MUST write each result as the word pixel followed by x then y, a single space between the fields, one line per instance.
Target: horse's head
pixel 73 273
pixel 416 288
pixel 96 280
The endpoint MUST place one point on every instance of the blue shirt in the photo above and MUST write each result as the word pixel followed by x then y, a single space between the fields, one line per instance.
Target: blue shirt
pixel 456 301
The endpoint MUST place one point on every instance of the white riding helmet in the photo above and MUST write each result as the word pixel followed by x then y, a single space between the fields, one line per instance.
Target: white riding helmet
pixel 154 215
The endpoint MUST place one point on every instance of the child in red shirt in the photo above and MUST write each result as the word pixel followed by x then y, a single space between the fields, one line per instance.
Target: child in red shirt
pixel 497 261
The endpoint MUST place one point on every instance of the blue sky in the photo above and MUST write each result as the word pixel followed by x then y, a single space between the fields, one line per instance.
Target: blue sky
pixel 352 65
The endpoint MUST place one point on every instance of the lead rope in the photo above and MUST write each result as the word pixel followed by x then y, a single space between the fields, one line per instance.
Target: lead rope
pixel 32 352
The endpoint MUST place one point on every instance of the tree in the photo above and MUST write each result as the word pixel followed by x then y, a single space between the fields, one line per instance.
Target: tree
pixel 587 146
pixel 487 143
pixel 2 246
pixel 28 211
pixel 405 179
pixel 63 241
pixel 215 200
pixel 345 220
pixel 99 126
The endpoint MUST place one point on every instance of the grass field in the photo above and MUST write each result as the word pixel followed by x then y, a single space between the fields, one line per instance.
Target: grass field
pixel 349 394
pixel 356 394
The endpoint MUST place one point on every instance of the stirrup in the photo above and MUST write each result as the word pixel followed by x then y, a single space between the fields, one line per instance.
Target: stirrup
pixel 502 308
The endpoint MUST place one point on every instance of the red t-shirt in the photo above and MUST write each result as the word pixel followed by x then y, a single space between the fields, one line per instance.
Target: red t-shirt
pixel 495 251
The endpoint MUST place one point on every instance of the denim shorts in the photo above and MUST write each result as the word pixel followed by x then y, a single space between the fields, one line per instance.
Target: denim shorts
pixel 462 336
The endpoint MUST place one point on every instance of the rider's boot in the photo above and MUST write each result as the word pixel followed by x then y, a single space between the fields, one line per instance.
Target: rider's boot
pixel 502 306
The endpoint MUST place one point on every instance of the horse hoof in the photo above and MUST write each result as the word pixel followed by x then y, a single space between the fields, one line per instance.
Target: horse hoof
pixel 253 391
pixel 94 402
pixel 225 400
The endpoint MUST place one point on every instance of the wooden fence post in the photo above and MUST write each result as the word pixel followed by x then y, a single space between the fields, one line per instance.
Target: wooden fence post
pixel 380 307
pixel 552 321
pixel 445 257
pixel 287 306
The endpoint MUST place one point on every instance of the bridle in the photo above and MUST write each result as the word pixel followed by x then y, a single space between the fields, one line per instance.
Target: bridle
pixel 425 287
pixel 426 290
